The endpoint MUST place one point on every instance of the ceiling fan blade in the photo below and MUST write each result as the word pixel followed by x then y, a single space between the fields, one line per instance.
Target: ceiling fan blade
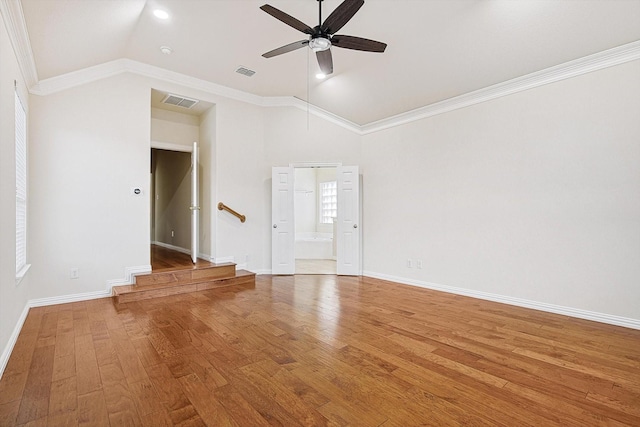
pixel 341 15
pixel 357 43
pixel 286 48
pixel 325 61
pixel 287 19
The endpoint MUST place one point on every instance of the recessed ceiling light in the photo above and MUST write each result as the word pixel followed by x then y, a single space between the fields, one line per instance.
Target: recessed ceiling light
pixel 161 14
pixel 320 76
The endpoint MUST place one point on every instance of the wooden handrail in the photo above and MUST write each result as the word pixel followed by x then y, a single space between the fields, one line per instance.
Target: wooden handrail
pixel 222 206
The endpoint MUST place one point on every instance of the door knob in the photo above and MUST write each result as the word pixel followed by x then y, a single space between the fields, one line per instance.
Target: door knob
pixel 355 225
pixel 275 225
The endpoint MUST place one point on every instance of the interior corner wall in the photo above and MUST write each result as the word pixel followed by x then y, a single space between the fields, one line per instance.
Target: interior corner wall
pixel 534 196
pixel 207 138
pixel 249 141
pixel 88 151
pixel 13 299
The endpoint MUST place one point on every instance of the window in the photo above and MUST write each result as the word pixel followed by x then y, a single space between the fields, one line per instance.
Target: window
pixel 328 201
pixel 21 188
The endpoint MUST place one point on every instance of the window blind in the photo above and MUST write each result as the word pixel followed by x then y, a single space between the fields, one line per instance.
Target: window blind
pixel 21 185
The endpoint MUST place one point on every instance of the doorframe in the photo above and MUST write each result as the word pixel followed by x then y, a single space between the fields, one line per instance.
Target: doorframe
pixel 315 165
pixel 336 165
pixel 167 146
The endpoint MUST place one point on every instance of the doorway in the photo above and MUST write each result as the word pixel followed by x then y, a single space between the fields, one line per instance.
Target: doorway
pixel 181 191
pixel 346 211
pixel 315 213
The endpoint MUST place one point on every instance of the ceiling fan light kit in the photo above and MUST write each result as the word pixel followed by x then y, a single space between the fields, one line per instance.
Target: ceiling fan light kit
pixel 323 36
pixel 319 44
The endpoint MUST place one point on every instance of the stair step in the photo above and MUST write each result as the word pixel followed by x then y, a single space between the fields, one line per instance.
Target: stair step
pixel 195 275
pixel 170 286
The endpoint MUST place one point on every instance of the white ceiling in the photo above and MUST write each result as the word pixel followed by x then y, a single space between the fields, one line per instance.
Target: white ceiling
pixel 437 49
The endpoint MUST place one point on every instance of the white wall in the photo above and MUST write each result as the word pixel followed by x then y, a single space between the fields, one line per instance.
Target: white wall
pixel 13 299
pixel 174 128
pixel 533 196
pixel 88 150
pixel 207 139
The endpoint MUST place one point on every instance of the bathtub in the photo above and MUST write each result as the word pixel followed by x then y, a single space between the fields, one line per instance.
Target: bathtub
pixel 312 245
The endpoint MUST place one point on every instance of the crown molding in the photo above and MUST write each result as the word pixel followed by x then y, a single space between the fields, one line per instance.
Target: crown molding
pixel 607 58
pixel 13 18
pixel 108 69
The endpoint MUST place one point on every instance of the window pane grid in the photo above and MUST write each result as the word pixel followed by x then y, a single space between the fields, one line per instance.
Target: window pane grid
pixel 329 201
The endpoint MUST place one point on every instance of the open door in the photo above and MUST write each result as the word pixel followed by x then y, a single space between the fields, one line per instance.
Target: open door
pixel 195 204
pixel 283 227
pixel 348 224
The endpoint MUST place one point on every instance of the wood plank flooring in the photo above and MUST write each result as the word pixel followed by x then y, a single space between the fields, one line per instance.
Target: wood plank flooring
pixel 315 266
pixel 165 259
pixel 316 351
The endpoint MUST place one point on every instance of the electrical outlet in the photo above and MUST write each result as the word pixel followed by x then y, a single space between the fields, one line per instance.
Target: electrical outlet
pixel 410 263
pixel 74 273
pixel 172 233
pixel 419 264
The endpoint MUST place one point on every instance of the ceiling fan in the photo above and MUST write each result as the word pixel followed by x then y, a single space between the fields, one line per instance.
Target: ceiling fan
pixel 323 36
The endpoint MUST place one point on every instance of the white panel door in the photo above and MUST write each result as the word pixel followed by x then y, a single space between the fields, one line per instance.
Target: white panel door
pixel 348 226
pixel 195 203
pixel 282 227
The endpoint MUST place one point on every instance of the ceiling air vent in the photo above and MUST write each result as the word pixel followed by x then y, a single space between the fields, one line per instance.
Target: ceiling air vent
pixel 179 101
pixel 245 71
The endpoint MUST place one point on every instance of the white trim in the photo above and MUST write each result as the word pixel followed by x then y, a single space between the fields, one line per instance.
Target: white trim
pixel 205 257
pixel 607 58
pixel 64 299
pixel 8 349
pixel 171 146
pixel 221 259
pixel 315 165
pixel 129 276
pixel 20 275
pixel 17 29
pixel 535 305
pixel 611 57
pixel 172 247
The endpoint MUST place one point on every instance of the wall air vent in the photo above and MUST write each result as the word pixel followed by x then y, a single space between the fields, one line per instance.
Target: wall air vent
pixel 179 101
pixel 245 71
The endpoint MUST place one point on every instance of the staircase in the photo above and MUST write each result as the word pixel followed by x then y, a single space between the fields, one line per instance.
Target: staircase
pixel 183 280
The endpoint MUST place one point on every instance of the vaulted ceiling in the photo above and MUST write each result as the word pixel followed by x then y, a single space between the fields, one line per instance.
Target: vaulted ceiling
pixel 437 49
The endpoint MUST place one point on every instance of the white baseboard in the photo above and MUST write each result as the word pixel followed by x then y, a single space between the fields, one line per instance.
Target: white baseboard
pixel 551 308
pixel 6 353
pixel 130 274
pixel 205 257
pixel 172 247
pixel 63 299
pixel 221 259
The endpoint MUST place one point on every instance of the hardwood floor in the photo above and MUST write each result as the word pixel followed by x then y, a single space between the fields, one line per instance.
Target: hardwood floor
pixel 315 351
pixel 315 266
pixel 163 259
